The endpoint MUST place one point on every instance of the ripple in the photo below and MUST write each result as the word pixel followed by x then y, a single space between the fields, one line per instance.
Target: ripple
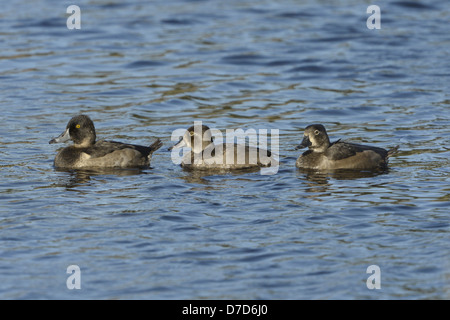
pixel 145 64
pixel 311 69
pixel 413 5
pixel 243 59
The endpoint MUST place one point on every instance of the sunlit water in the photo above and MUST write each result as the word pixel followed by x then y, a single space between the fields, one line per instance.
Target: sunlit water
pixel 141 69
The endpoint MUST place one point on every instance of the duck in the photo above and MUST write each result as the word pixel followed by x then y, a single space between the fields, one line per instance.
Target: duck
pixel 206 155
pixel 323 155
pixel 86 152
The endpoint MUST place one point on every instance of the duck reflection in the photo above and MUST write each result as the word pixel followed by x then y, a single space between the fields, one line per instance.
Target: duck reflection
pixel 79 177
pixel 202 176
pixel 318 181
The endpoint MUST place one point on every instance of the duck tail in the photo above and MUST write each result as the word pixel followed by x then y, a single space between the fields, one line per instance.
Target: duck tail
pixel 155 145
pixel 392 151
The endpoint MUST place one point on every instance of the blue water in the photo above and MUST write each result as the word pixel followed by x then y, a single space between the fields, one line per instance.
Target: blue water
pixel 141 69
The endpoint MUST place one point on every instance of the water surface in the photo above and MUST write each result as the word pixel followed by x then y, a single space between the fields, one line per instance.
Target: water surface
pixel 141 69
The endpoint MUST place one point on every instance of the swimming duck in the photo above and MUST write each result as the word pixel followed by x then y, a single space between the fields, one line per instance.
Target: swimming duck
pixel 86 152
pixel 323 155
pixel 205 155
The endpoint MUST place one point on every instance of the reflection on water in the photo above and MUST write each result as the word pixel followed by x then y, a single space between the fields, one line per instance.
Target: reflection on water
pixel 321 177
pixel 78 177
pixel 318 181
pixel 199 176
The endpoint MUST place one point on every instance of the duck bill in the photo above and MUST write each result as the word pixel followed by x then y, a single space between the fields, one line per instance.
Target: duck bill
pixel 179 144
pixel 305 143
pixel 63 137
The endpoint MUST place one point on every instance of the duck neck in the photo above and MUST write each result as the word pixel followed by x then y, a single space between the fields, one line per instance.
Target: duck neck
pixel 85 143
pixel 322 147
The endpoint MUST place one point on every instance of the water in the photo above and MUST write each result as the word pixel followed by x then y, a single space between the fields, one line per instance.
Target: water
pixel 141 69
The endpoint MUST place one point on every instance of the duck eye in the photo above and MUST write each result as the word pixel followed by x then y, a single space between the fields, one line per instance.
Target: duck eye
pixel 316 132
pixel 77 126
